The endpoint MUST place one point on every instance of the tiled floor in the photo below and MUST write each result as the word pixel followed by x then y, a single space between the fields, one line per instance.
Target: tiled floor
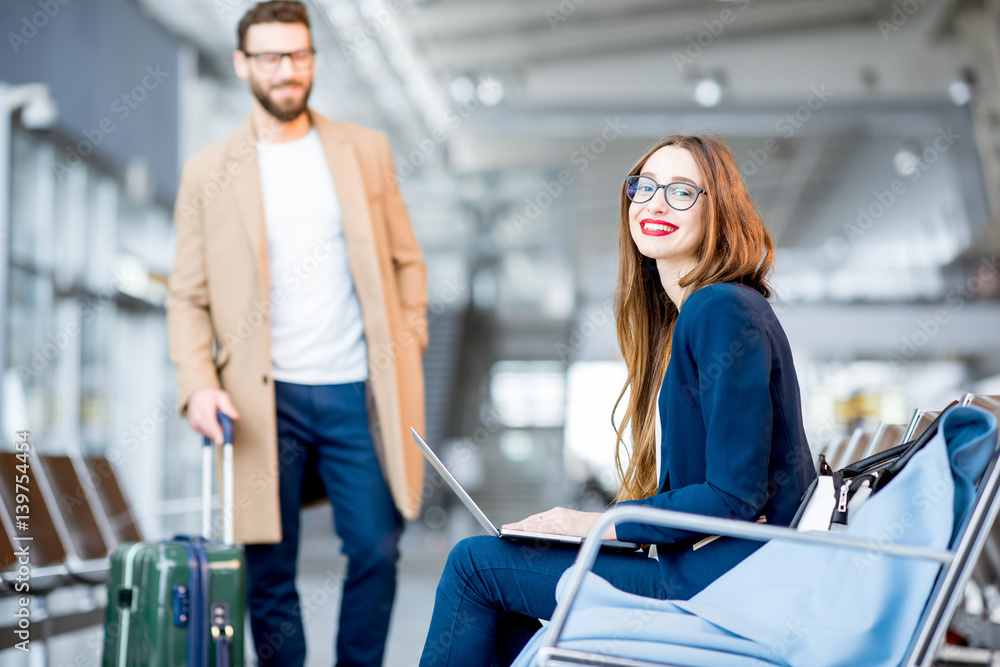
pixel 408 627
pixel 423 556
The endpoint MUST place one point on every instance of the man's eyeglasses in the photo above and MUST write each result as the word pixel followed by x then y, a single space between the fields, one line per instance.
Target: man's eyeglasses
pixel 680 196
pixel 268 61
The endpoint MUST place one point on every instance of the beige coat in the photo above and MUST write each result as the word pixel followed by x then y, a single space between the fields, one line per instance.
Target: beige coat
pixel 218 308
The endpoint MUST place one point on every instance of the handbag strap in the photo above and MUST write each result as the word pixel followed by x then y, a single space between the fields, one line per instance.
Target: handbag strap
pixel 912 448
pixel 876 461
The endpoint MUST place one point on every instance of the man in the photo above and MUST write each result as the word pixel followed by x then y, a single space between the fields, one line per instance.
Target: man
pixel 297 306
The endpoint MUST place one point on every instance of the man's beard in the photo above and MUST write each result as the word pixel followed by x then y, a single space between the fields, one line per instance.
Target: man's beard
pixel 284 114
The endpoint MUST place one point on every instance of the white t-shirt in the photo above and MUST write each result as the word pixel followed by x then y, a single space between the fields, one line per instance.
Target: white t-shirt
pixel 317 332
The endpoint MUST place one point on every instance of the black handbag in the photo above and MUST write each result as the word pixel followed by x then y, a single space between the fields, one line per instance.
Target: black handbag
pixel 855 483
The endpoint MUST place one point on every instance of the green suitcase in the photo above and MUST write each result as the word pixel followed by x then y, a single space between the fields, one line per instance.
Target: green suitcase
pixel 181 601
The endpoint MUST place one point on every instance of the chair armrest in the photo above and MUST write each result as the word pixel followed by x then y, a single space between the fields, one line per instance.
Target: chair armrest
pixel 714 526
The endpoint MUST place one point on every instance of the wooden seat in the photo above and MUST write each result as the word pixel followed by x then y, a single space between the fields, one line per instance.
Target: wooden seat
pixel 893 436
pixel 837 453
pixel 988 403
pixel 47 546
pixel 7 558
pixel 925 419
pixel 73 501
pixel 116 507
pixel 886 436
pixel 857 446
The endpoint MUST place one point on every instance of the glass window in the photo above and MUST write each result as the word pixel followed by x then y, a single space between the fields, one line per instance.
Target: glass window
pixel 529 393
pixel 71 227
pixel 101 241
pixel 93 362
pixel 31 351
pixel 593 388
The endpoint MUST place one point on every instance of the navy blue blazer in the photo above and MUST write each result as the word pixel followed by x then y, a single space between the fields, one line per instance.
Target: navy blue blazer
pixel 732 441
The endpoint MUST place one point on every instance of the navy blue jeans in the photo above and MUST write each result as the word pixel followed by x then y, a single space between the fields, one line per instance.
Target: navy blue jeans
pixel 493 592
pixel 326 427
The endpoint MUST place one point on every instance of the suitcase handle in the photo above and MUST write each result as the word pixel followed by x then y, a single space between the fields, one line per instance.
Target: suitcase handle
pixel 226 422
pixel 227 481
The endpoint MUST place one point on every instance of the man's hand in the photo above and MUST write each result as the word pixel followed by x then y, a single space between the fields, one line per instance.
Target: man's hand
pixel 201 411
pixel 561 521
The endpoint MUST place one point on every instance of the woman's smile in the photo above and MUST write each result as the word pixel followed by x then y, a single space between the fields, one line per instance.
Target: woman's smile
pixel 654 227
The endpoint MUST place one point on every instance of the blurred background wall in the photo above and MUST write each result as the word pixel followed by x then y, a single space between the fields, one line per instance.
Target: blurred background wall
pixel 868 132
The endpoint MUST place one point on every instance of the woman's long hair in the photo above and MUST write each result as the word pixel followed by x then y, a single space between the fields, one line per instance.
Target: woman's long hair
pixel 735 247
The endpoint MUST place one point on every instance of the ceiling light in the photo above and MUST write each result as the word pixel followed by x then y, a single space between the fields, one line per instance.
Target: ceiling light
pixel 960 92
pixel 489 91
pixel 907 159
pixel 708 92
pixel 462 89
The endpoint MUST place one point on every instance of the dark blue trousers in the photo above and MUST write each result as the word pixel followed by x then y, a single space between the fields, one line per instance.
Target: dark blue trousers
pixel 326 426
pixel 492 592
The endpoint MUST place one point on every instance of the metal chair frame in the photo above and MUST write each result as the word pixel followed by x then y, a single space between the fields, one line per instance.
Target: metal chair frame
pixel 957 566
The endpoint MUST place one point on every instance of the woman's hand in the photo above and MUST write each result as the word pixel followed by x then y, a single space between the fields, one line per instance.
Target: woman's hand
pixel 561 521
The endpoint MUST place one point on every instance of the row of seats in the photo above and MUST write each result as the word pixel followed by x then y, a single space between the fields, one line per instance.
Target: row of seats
pixel 77 515
pixel 862 443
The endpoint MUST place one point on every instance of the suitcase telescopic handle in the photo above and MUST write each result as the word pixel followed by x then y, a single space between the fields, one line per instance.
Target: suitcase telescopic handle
pixel 226 422
pixel 227 481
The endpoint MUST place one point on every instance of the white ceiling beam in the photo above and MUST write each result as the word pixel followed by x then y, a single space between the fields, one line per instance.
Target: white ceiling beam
pixel 661 29
pixel 443 20
pixel 876 331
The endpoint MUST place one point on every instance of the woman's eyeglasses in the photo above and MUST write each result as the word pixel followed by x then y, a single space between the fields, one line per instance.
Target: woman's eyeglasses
pixel 268 61
pixel 680 196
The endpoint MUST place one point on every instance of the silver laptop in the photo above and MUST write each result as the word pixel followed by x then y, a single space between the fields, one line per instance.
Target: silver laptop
pixel 522 535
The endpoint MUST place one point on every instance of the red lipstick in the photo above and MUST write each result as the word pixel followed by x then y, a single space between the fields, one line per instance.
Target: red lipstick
pixel 654 227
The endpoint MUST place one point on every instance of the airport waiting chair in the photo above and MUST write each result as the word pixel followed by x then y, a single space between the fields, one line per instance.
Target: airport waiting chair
pixel 67 540
pixel 976 620
pixel 49 567
pixel 859 444
pixel 982 630
pixel 45 506
pixel 80 511
pixel 886 436
pixel 78 515
pixel 856 447
pixel 836 450
pixel 988 403
pixel 900 589
pixel 845 448
pixel 86 552
pixel 8 559
pixel 109 491
pixel 921 420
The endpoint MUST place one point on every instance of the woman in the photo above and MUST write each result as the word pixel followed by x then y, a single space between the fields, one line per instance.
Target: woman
pixel 692 290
